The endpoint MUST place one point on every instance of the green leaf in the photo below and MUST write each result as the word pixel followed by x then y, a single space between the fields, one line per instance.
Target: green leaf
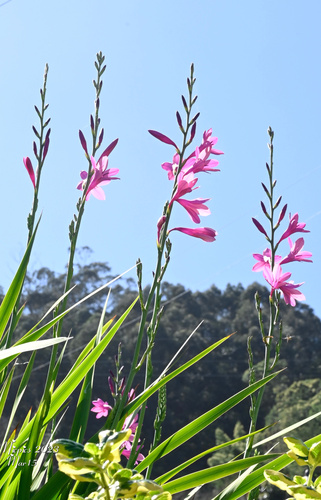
pixel 168 475
pixel 278 479
pixel 63 391
pixel 30 346
pixel 297 446
pixel 12 294
pixel 314 458
pixel 82 412
pixel 21 389
pixel 200 423
pixel 213 473
pixel 138 401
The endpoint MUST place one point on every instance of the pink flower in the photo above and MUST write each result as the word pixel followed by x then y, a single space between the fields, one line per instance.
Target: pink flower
pixel 195 208
pixel 278 281
pixel 207 138
pixel 294 227
pixel 265 260
pixel 29 167
pixel 101 408
pixel 204 233
pixel 295 252
pixel 100 174
pixel 131 423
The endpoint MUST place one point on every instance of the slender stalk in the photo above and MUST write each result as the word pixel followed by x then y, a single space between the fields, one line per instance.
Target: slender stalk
pixel 76 222
pixel 40 155
pixel 273 303
pixel 154 294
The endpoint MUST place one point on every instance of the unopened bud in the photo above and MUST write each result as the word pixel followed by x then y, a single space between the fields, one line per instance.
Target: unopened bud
pixel 100 137
pixel 83 142
pixel 184 103
pixel 263 208
pixel 179 119
pixel 277 202
pixel 195 118
pixel 92 125
pixel 36 132
pixel 193 131
pixel 38 112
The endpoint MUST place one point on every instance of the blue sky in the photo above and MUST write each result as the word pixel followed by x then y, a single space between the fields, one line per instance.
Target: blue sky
pixel 256 63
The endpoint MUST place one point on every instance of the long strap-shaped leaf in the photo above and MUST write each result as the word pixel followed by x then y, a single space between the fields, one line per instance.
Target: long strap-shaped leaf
pixel 137 402
pixel 168 475
pixel 35 334
pixel 12 294
pixel 213 473
pixel 71 381
pixel 200 423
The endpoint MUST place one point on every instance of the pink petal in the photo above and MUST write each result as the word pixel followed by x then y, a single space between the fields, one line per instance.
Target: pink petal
pixel 204 233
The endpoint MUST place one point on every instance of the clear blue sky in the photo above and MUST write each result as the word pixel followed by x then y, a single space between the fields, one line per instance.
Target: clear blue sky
pixel 256 63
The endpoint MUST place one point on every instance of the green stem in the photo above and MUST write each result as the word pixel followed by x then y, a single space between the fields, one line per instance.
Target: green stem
pixel 154 294
pixel 267 340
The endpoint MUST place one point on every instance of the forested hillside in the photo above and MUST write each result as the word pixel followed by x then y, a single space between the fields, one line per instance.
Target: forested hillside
pixel 293 395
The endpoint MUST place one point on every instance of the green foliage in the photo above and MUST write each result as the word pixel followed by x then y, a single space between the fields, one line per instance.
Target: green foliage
pixel 301 487
pixel 99 463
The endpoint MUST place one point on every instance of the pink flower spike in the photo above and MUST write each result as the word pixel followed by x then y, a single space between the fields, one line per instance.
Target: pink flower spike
pixel 101 408
pixel 259 227
pixel 295 252
pixel 162 138
pixel 294 227
pixel 29 167
pixel 204 233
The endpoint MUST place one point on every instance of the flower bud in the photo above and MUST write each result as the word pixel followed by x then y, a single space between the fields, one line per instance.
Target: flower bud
pixel 179 120
pixel 100 137
pixel 184 103
pixel 36 132
pixel 193 131
pixel 83 142
pixel 259 227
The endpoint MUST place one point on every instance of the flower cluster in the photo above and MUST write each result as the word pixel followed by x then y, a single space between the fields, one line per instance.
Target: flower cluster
pixel 183 172
pixel 99 174
pixel 102 409
pixel 272 272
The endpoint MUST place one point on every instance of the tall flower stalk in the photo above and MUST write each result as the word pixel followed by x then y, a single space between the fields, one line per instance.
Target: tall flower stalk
pixel 40 149
pixel 269 262
pixel 92 179
pixel 181 171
